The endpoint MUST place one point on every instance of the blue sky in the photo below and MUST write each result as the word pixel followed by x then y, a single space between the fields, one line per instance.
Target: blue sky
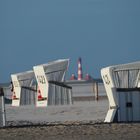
pixel 102 32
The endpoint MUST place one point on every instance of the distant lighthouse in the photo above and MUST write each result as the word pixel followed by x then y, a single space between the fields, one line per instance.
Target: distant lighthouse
pixel 80 74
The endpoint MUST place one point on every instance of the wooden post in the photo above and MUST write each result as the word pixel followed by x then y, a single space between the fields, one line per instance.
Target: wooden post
pixel 2 105
pixel 96 91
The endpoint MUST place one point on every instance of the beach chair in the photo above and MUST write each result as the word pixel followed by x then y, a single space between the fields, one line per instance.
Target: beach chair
pixel 24 88
pixel 122 84
pixel 51 87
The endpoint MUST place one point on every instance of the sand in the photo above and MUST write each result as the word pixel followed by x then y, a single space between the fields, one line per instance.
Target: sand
pixel 79 111
pixel 80 121
pixel 74 132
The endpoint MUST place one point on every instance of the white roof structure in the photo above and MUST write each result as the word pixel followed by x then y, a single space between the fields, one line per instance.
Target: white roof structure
pixel 20 80
pixel 48 77
pixel 122 84
pixel 54 70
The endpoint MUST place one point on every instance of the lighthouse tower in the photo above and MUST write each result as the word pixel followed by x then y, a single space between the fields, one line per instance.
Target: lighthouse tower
pixel 80 74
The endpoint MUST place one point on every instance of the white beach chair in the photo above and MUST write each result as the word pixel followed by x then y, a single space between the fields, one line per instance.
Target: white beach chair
pixel 122 84
pixel 24 88
pixel 51 89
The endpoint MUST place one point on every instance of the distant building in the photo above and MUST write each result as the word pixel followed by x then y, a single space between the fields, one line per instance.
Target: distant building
pixel 73 77
pixel 88 77
pixel 86 89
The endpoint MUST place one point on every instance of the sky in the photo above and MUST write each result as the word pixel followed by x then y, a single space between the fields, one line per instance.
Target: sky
pixel 101 32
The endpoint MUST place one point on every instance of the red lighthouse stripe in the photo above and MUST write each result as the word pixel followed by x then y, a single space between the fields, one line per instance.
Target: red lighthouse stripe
pixel 80 75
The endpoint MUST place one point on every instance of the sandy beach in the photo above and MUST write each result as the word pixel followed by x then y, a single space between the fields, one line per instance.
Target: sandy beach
pixel 73 132
pixel 81 121
pixel 79 111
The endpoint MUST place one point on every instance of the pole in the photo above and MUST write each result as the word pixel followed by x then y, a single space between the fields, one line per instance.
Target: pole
pixel 3 114
pixel 96 91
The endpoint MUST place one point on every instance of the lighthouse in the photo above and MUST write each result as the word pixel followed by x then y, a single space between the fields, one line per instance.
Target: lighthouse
pixel 80 74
